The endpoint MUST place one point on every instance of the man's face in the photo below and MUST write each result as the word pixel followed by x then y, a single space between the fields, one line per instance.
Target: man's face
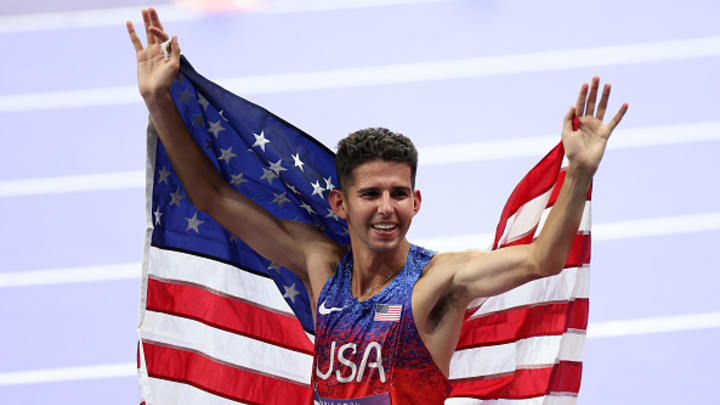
pixel 380 204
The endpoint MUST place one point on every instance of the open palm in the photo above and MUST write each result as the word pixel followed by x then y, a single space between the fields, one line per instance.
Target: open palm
pixel 585 143
pixel 155 73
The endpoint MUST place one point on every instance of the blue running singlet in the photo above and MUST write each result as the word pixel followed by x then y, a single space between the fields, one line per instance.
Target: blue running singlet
pixel 370 352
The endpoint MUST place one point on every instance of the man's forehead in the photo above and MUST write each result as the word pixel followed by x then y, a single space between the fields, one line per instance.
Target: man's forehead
pixel 379 172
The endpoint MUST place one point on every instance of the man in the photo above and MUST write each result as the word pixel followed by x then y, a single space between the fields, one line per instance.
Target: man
pixel 388 314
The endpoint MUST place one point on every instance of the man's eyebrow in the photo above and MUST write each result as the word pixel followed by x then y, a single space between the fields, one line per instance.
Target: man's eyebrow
pixel 374 188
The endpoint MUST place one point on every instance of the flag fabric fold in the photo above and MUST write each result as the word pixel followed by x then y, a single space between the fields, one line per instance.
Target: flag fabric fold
pixel 220 324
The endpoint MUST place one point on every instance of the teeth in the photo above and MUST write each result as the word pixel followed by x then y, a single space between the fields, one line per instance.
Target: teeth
pixel 383 227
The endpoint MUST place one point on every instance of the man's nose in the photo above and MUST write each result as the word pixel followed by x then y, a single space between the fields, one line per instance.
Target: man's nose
pixel 385 207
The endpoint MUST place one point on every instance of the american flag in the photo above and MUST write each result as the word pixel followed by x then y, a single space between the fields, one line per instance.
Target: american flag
pixel 219 324
pixel 385 312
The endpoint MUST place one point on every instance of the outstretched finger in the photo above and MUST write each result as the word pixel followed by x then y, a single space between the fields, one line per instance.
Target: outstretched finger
pixel 590 109
pixel 155 19
pixel 134 37
pixel 602 107
pixel 146 21
pixel 618 117
pixel 580 104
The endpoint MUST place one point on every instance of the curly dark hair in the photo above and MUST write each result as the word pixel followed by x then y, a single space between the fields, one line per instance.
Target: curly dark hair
pixel 371 144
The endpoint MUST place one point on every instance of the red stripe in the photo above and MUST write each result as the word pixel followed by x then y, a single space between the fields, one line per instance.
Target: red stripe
pixel 521 384
pixel 539 180
pixel 521 323
pixel 558 186
pixel 224 380
pixel 579 251
pixel 227 313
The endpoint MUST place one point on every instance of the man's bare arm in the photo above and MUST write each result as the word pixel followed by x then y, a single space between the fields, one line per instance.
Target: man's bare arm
pixel 287 243
pixel 477 274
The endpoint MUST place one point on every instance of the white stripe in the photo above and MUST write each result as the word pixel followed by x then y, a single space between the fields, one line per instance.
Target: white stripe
pixel 393 74
pixel 226 346
pixel 595 330
pixel 68 374
pixel 571 283
pixel 585 220
pixel 544 400
pixel 654 325
pixel 525 218
pixel 430 156
pixel 170 392
pixel 113 17
pixel 221 277
pixel 87 274
pixel 524 353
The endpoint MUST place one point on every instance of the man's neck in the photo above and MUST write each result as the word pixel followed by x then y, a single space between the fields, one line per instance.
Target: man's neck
pixel 372 270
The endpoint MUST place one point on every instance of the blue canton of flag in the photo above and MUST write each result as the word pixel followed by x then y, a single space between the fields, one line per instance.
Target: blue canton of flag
pixel 280 167
pixel 385 312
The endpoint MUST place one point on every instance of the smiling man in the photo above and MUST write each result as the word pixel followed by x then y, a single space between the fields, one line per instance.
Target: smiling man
pixel 388 313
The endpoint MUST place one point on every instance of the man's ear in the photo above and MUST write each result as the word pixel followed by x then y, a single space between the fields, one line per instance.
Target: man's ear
pixel 417 200
pixel 338 203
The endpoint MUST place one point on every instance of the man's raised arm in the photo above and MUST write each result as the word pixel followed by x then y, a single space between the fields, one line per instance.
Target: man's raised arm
pixel 287 243
pixel 478 274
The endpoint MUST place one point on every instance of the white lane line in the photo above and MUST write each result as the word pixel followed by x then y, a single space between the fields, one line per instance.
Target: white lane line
pixel 429 156
pixel 115 17
pixel 596 330
pixel 654 325
pixel 73 184
pixel 393 74
pixel 637 228
pixel 71 275
pixel 601 232
pixel 69 374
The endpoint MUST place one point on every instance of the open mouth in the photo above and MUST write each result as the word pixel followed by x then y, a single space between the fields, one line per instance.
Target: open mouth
pixel 384 227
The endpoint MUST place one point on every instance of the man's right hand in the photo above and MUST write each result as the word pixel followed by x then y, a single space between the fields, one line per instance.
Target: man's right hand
pixel 155 73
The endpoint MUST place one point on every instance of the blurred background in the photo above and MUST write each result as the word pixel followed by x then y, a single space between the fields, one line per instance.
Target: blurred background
pixel 480 86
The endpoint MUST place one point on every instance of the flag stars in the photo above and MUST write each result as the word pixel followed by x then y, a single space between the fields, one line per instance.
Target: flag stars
pixel 317 189
pixel 298 163
pixel 198 120
pixel 220 113
pixel 237 179
pixel 290 292
pixel 226 155
pixel 158 214
pixel 280 199
pixel 193 223
pixel 260 141
pixel 184 97
pixel 163 175
pixel 274 266
pixel 203 101
pixel 277 167
pixel 176 197
pixel 331 214
pixel 328 184
pixel 268 175
pixel 292 188
pixel 307 208
pixel 216 127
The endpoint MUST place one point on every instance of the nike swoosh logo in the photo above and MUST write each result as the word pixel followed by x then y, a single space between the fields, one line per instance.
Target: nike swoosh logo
pixel 324 311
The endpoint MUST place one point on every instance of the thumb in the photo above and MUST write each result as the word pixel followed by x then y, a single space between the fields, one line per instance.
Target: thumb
pixel 175 48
